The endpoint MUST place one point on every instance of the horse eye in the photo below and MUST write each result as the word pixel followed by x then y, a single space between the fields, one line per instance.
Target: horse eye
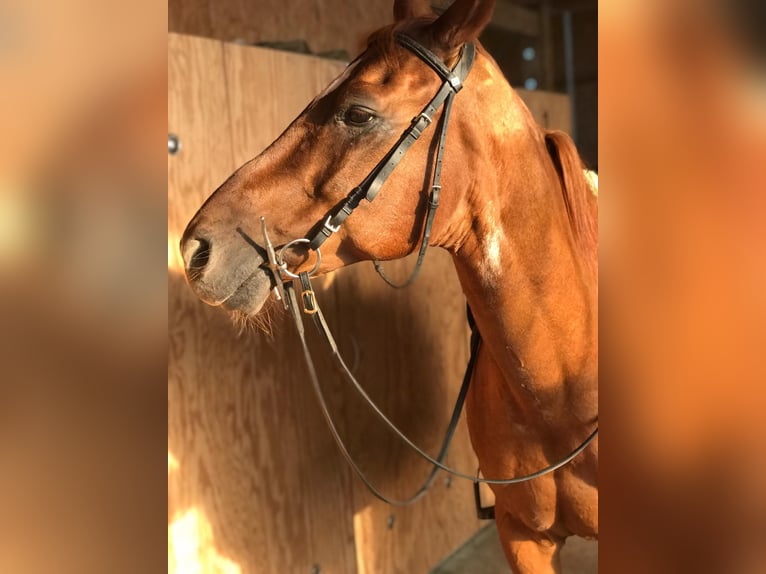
pixel 357 116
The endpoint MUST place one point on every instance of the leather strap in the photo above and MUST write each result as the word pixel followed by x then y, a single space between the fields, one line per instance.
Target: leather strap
pixel 433 204
pixel 456 412
pixel 371 184
pixel 427 56
pixel 462 68
pixel 368 189
pixel 324 332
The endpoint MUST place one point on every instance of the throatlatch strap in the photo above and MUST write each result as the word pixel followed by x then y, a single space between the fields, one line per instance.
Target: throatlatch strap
pixel 433 203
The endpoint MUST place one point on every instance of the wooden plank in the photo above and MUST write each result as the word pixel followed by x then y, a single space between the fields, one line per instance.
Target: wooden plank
pixel 392 334
pixel 324 25
pixel 547 46
pixel 412 348
pixel 257 483
pixel 411 363
pixel 197 516
pixel 551 110
pixel 267 89
pixel 191 17
pixel 196 96
pixel 515 18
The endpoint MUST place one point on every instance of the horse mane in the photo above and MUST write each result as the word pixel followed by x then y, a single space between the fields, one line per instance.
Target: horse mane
pixel 578 192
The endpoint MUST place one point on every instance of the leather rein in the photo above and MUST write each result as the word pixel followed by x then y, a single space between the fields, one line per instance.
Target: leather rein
pixel 284 289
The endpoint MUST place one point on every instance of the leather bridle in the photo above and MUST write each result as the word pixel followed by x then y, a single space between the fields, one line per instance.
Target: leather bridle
pixel 452 82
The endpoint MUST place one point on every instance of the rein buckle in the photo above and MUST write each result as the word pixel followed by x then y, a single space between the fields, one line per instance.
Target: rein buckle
pixel 329 226
pixel 422 116
pixel 309 302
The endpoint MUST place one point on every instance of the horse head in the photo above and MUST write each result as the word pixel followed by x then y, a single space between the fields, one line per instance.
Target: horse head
pixel 340 137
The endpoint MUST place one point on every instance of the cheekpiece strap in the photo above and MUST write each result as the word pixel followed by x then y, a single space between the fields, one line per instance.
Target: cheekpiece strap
pixel 369 188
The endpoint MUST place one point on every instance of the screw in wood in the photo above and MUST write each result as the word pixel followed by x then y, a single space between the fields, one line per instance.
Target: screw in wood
pixel 174 144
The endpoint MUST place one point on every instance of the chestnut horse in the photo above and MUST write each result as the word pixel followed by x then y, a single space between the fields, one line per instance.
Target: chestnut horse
pixel 517 215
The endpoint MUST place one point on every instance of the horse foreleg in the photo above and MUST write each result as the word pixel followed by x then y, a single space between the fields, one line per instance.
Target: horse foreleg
pixel 528 552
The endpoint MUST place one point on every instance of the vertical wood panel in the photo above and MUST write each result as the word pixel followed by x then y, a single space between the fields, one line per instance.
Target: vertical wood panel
pixel 551 110
pixel 255 469
pixel 196 97
pixel 196 94
pixel 267 89
pixel 413 348
pixel 323 24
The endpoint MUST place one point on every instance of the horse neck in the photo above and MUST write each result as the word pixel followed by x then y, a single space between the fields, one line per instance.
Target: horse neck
pixel 532 292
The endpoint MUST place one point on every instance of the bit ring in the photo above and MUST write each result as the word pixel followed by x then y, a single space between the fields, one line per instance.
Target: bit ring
pixel 283 265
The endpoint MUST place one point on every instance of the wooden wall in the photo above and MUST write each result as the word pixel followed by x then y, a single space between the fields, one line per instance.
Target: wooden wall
pixel 255 484
pixel 331 25
pixel 324 24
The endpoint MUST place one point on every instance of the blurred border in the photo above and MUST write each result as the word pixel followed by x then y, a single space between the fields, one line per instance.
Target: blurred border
pixel 82 344
pixel 83 211
pixel 682 120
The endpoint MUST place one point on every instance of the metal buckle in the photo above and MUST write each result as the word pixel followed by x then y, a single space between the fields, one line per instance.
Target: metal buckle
pixel 309 301
pixel 330 226
pixel 417 128
pixel 482 512
pixel 423 115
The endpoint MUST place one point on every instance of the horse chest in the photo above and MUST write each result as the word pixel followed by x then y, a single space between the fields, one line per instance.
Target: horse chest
pixel 507 441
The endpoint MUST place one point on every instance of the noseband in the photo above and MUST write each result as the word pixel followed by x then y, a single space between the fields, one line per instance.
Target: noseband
pixel 452 82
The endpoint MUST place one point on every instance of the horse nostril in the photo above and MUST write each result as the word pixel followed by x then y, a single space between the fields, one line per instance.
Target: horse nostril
pixel 196 255
pixel 201 255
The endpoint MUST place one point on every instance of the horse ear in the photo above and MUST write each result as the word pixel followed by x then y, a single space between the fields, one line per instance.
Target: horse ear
pixel 462 22
pixel 405 9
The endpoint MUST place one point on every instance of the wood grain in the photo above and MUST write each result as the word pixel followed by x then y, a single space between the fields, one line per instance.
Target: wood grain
pixel 551 110
pixel 413 348
pixel 252 456
pixel 324 24
pixel 267 89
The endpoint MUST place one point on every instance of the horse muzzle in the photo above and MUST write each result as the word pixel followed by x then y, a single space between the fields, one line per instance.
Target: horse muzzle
pixel 226 268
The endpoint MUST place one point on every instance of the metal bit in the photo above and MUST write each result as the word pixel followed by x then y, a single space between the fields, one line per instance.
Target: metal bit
pixel 278 290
